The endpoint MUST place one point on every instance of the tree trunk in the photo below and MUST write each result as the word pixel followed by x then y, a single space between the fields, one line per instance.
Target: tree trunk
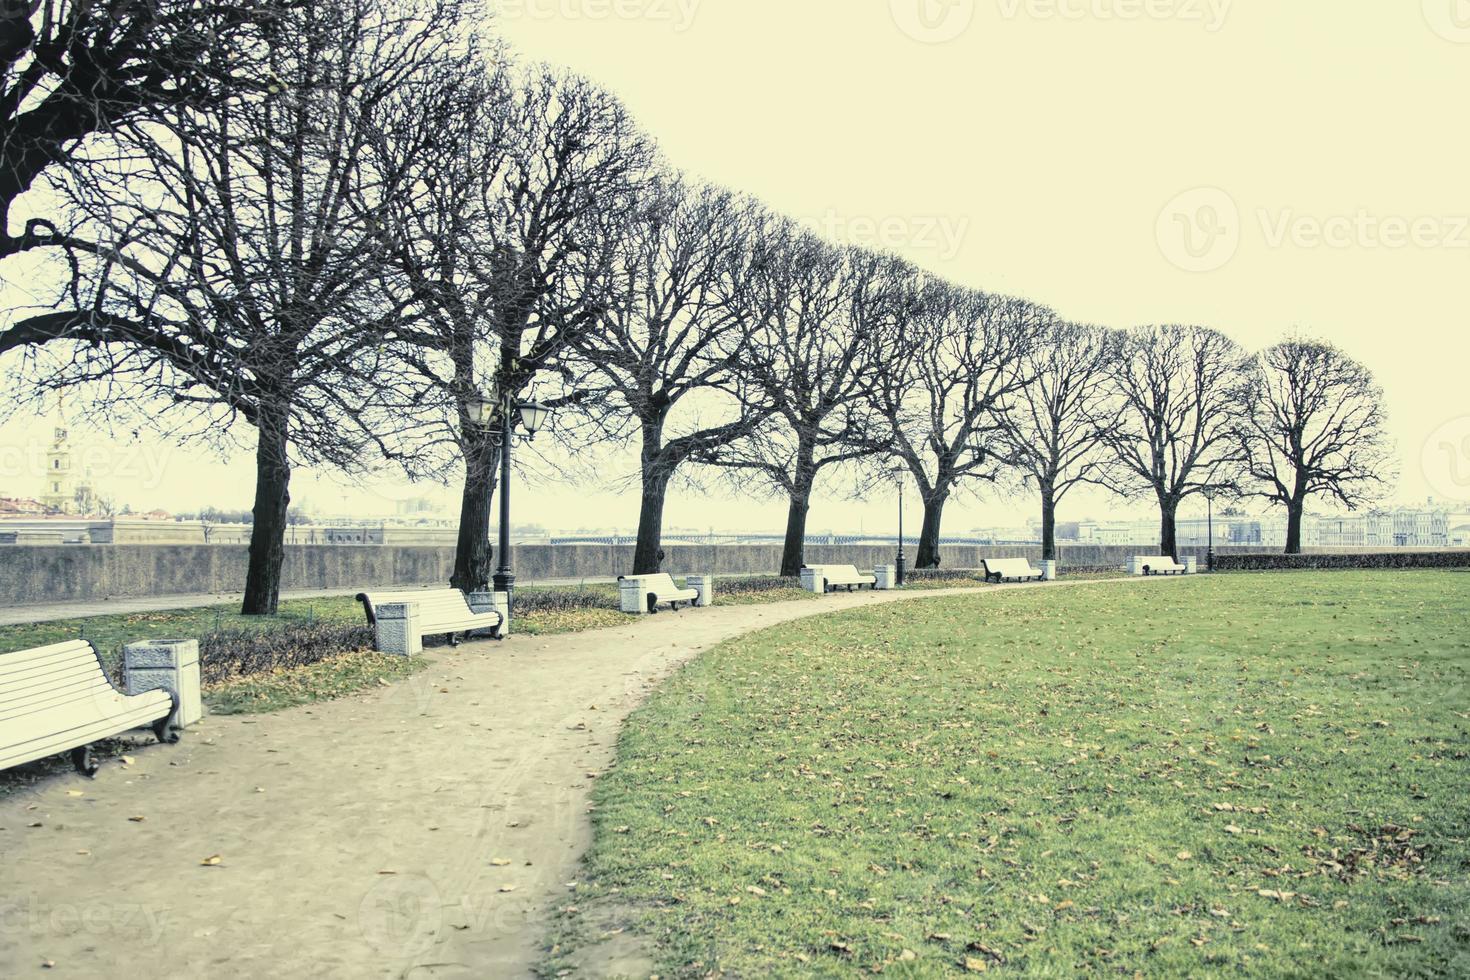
pixel 1168 535
pixel 650 527
pixel 1294 511
pixel 1048 523
pixel 656 476
pixel 928 556
pixel 472 552
pixel 793 552
pixel 268 533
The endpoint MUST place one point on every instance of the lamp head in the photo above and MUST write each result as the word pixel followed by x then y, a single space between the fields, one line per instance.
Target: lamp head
pixel 533 416
pixel 480 407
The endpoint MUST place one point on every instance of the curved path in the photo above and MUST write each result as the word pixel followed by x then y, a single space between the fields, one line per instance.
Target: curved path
pixel 426 829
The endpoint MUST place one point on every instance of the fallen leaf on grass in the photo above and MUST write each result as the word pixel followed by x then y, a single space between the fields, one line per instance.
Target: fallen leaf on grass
pixel 500 862
pixel 137 819
pixel 214 860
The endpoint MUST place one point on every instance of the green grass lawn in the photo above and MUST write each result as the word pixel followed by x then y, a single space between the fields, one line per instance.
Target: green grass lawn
pixel 1263 775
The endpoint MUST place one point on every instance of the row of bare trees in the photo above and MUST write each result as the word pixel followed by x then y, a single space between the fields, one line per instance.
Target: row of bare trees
pixel 339 224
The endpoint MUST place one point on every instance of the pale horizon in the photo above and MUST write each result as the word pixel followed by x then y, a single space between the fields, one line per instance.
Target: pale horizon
pixel 1229 164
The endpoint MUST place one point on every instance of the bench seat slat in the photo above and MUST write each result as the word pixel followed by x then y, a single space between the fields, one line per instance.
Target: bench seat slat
pixel 75 733
pixel 99 691
pixel 98 705
pixel 22 700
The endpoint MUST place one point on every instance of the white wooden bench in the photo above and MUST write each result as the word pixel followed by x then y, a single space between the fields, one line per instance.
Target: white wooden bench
pixel 58 698
pixel 828 578
pixel 434 612
pixel 642 593
pixel 1000 569
pixel 1154 565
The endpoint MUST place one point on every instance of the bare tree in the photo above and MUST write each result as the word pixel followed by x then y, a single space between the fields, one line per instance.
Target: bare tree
pixel 73 69
pixel 1056 425
pixel 1177 436
pixel 503 245
pixel 240 244
pixel 663 366
pixel 1313 426
pixel 947 366
pixel 819 311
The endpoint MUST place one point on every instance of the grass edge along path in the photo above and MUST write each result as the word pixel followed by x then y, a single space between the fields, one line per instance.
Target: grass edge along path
pixel 1253 774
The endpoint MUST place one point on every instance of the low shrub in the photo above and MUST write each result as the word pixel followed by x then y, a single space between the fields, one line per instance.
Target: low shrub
pixel 943 575
pixel 1325 562
pixel 232 653
pixel 755 585
pixel 563 600
pixel 1065 570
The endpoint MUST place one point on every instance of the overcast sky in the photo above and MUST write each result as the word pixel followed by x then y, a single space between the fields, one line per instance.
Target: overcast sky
pixel 1255 166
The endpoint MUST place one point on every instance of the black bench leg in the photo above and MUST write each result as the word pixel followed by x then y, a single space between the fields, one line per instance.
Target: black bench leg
pixel 163 733
pixel 81 758
pixel 160 727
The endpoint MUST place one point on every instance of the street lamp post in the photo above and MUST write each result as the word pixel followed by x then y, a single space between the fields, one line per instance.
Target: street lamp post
pixel 899 563
pixel 531 416
pixel 1210 524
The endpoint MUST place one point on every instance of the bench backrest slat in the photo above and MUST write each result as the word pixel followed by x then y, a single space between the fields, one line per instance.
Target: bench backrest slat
pixel 660 582
pixel 59 673
pixel 434 605
pixel 1009 566
pixel 21 659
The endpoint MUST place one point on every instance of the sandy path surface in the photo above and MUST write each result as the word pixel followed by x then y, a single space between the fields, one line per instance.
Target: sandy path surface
pixel 427 829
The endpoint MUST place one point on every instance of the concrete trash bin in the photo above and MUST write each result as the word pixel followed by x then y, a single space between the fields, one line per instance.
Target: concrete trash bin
pixel 170 665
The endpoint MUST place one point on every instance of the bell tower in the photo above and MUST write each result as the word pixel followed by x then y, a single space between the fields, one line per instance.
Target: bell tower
pixel 59 492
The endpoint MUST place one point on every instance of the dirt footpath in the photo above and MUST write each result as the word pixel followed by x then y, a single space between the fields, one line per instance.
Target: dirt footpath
pixel 425 829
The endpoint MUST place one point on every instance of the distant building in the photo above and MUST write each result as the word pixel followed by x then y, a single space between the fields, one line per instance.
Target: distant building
pixel 1403 527
pixel 21 507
